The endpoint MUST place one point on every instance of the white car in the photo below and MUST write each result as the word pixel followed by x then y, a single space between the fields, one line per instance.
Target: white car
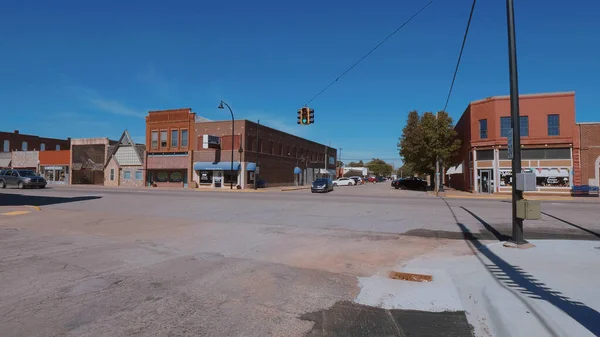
pixel 343 182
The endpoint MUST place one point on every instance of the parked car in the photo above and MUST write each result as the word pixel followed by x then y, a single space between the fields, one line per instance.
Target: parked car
pixel 357 180
pixel 343 182
pixel 21 179
pixel 321 185
pixel 381 179
pixel 410 183
pixel 372 179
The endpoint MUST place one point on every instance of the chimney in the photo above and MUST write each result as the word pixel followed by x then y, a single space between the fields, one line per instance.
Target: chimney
pixel 16 132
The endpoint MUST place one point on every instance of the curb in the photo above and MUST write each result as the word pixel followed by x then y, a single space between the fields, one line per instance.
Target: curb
pixel 294 189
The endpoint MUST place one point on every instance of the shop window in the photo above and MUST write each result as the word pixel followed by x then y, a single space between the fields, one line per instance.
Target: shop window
pixel 545 177
pixel 174 138
pixel 162 177
pixel 553 125
pixel 485 155
pixel 483 129
pixel 229 177
pixel 154 140
pixel 138 175
pixel 112 174
pixel 6 146
pixel 42 147
pixel 163 139
pixel 24 146
pixel 127 175
pixel 176 177
pixel 504 126
pixel 184 138
pixel 206 177
pixel 58 147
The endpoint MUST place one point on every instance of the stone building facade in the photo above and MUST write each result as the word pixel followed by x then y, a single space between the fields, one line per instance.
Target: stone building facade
pixel 125 165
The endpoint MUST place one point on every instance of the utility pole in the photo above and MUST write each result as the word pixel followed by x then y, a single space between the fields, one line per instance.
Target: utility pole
pixel 325 158
pixel 517 223
pixel 256 170
pixel 437 164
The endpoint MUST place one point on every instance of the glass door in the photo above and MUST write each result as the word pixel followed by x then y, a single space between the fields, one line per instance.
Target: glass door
pixel 485 178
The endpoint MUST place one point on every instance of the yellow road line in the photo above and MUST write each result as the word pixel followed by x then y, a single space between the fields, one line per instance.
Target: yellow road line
pixel 16 213
pixel 37 208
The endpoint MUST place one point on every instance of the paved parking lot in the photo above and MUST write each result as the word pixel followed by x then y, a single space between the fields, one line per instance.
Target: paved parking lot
pixel 123 262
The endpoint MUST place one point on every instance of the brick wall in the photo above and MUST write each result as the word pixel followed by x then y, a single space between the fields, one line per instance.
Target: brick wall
pixel 112 165
pixel 131 182
pixel 15 142
pixel 589 153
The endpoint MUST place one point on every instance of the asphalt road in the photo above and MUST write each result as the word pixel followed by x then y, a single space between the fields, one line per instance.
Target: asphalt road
pixel 119 262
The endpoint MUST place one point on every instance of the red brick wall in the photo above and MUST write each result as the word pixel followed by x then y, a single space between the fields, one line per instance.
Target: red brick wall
pixel 16 139
pixel 589 151
pixel 169 120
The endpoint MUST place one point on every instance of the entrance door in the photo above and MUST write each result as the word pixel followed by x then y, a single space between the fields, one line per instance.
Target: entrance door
pixel 485 178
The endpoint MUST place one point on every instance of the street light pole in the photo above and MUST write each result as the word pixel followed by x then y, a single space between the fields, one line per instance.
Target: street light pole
pixel 232 137
pixel 257 151
pixel 517 223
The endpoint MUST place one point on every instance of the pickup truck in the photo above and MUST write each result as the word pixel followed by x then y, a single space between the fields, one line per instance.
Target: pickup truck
pixel 21 179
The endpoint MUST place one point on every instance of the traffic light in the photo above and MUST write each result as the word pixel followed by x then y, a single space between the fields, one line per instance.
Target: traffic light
pixel 311 116
pixel 300 116
pixel 306 116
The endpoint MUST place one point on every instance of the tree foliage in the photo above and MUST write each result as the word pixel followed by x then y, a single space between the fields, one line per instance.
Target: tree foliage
pixel 405 171
pixel 379 167
pixel 360 163
pixel 425 137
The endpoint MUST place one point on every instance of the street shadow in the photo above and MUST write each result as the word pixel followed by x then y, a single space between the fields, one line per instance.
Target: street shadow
pixel 574 225
pixel 494 231
pixel 9 199
pixel 519 280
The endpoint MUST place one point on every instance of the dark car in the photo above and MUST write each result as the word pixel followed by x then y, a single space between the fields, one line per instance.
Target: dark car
pixel 21 179
pixel 381 179
pixel 411 183
pixel 321 185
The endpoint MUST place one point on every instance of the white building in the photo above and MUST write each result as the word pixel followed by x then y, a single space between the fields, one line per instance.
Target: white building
pixel 364 170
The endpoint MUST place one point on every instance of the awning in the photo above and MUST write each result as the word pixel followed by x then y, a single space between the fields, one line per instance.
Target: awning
pixel 297 170
pixel 458 169
pixel 251 167
pixel 220 166
pixel 5 162
pixel 323 171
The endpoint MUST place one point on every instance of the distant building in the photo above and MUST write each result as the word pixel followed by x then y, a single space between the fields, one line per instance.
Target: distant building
pixel 88 159
pixel 361 171
pixel 125 163
pixel 547 136
pixel 587 154
pixel 16 141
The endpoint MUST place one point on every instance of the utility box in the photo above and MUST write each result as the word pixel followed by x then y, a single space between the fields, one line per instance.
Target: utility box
pixel 529 209
pixel 526 182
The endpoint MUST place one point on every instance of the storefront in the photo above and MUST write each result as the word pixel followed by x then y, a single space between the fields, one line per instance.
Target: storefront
pixel 54 166
pixel 56 174
pixel 218 175
pixel 167 170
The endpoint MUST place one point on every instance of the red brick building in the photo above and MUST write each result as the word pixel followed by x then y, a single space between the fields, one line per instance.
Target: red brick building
pixel 587 154
pixel 548 131
pixel 16 141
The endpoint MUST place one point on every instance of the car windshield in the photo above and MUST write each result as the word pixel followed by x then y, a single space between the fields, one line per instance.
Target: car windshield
pixel 26 173
pixel 320 181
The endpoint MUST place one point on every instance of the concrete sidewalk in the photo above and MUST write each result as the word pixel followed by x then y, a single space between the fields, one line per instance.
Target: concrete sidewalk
pixel 455 194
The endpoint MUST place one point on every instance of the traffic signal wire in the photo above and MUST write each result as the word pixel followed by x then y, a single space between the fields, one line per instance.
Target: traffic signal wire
pixel 462 48
pixel 369 53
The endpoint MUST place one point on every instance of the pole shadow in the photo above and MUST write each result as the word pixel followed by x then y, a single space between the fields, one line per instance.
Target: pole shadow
pixel 8 199
pixel 519 280
pixel 498 235
pixel 574 225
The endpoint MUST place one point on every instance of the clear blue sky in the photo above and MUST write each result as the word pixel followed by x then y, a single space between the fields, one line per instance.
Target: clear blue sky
pixel 88 69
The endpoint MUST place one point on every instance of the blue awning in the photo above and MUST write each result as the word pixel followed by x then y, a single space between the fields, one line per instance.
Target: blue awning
pixel 297 170
pixel 251 167
pixel 220 166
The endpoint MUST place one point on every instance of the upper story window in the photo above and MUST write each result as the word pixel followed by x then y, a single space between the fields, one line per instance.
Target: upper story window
pixel 154 140
pixel 504 126
pixel 553 125
pixel 483 129
pixel 42 147
pixel 174 138
pixel 6 146
pixel 163 139
pixel 184 138
pixel 524 122
pixel 58 147
pixel 24 146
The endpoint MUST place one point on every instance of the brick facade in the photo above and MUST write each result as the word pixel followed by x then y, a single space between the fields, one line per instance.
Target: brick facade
pixel 14 141
pixel 25 159
pixel 588 153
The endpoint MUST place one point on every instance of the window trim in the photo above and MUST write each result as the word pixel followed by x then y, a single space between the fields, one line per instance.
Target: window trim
pixel 112 174
pixel 186 138
pixel 6 145
pixel 24 146
pixel 486 129
pixel 521 133
pixel 57 147
pixel 125 173
pixel 557 125
pixel 160 140
pixel 141 174
pixel 176 144
pixel 152 146
pixel 42 146
pixel 509 126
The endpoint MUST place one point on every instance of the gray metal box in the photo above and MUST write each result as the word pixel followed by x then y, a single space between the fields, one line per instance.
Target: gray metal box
pixel 526 182
pixel 529 209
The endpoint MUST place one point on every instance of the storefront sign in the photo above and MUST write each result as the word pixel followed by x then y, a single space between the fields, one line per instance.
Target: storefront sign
pixel 209 141
pixel 53 167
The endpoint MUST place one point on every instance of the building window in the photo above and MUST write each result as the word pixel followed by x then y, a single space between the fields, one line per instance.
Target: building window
pixel 524 123
pixel 42 147
pixel 553 125
pixel 174 138
pixel 138 175
pixel 485 155
pixel 57 147
pixel 184 138
pixel 154 140
pixel 127 175
pixel 504 126
pixel 163 139
pixel 24 146
pixel 483 131
pixel 6 146
pixel 112 174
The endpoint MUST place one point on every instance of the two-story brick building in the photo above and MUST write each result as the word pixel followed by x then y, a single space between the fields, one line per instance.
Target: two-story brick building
pixel 547 136
pixel 587 154
pixel 18 142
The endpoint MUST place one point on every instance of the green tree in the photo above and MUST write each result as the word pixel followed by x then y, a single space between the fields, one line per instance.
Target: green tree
pixel 379 167
pixel 355 164
pixel 426 137
pixel 405 171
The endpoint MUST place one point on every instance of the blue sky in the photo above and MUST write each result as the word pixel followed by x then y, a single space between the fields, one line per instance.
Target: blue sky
pixel 90 69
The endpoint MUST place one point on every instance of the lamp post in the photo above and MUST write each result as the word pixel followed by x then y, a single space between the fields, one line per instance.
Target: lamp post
pixel 232 136
pixel 257 151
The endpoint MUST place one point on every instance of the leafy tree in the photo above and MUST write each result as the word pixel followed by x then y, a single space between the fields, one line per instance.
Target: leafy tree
pixel 355 164
pixel 379 167
pixel 426 137
pixel 405 171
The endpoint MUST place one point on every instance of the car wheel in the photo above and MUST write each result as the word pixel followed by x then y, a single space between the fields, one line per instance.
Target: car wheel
pixel 396 187
pixel 43 186
pixel 2 184
pixel 20 185
pixel 335 184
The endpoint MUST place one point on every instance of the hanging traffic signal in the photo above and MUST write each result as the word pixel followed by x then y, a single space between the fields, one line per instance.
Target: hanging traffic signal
pixel 300 116
pixel 306 116
pixel 311 116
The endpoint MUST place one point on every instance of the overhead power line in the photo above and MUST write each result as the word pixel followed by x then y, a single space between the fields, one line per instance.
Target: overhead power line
pixel 369 53
pixel 462 48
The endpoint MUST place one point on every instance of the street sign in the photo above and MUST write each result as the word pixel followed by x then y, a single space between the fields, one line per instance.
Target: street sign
pixel 510 143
